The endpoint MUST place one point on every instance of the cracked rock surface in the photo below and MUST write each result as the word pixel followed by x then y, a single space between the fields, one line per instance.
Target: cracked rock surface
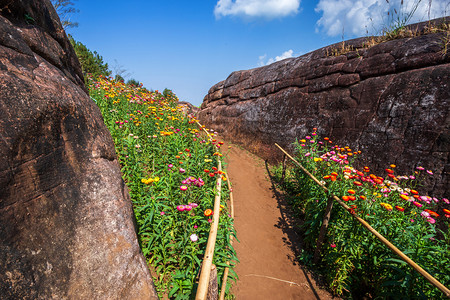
pixel 66 223
pixel 390 101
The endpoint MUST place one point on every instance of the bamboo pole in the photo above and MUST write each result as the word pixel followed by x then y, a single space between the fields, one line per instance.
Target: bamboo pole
pixel 225 273
pixel 394 249
pixel 323 229
pixel 209 252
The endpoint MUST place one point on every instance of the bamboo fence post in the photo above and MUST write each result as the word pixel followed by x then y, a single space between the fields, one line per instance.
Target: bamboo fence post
pixel 209 252
pixel 284 168
pixel 213 288
pixel 394 249
pixel 323 229
pixel 225 273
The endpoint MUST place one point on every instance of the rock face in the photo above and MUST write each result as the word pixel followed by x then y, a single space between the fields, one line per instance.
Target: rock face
pixel 390 100
pixel 66 222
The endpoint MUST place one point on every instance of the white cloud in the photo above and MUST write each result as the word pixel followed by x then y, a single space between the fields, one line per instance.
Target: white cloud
pixel 256 8
pixel 361 17
pixel 263 62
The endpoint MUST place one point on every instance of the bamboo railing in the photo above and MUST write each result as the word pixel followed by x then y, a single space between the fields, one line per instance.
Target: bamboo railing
pixel 393 248
pixel 205 273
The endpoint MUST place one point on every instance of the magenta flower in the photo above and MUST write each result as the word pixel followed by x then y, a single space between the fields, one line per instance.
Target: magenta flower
pixel 194 205
pixel 307 154
pixel 431 220
pixel 446 200
pixel 187 208
pixel 195 226
pixel 181 207
pixel 181 170
pixel 333 245
pixel 162 213
pixel 430 172
pixel 183 188
pixel 420 168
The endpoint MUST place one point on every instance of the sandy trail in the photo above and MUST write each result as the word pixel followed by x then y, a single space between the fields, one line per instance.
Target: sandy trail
pixel 267 268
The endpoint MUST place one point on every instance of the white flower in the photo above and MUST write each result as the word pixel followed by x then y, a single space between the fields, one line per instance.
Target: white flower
pixel 194 237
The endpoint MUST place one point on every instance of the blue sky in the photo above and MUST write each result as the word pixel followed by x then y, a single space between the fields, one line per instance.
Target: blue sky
pixel 188 46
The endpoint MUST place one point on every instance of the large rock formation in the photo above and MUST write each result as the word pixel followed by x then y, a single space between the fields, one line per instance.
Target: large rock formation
pixel 390 100
pixel 66 222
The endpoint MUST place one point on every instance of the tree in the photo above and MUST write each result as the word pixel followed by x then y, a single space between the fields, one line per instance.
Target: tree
pixel 91 62
pixel 133 81
pixel 65 8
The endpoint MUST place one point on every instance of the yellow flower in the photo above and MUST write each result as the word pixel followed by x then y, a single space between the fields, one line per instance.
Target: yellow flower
pixel 317 159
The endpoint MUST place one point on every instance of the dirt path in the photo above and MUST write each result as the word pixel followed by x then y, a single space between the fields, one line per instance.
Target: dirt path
pixel 267 268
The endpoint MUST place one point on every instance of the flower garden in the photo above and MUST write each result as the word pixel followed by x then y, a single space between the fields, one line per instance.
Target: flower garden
pixel 353 262
pixel 170 167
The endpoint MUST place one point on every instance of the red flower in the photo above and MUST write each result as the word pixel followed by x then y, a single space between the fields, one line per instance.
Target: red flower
pixel 399 208
pixel 357 183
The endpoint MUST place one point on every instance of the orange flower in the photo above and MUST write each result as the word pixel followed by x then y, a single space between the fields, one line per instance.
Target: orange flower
pixel 404 197
pixel 352 198
pixel 357 183
pixel 432 213
pixel 345 198
pixel 362 197
pixel 351 192
pixel 414 192
pixel 208 212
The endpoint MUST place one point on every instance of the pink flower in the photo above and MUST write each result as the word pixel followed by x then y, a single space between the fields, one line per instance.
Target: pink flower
pixel 181 207
pixel 420 168
pixel 183 188
pixel 430 172
pixel 308 154
pixel 431 220
pixel 425 214
pixel 333 245
pixel 194 205
pixel 417 204
pixel 187 208
pixel 181 170
pixel 194 237
pixel 210 220
pixel 446 200
pixel 308 137
pixel 195 226
pixel 162 213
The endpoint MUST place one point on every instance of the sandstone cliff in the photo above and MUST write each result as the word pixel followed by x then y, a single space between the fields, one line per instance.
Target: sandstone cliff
pixel 390 100
pixel 66 221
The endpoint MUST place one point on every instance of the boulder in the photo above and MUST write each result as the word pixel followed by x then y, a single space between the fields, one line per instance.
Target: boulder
pixel 66 221
pixel 391 100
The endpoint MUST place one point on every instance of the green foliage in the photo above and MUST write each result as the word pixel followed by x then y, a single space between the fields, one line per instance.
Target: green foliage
pixel 134 82
pixel 168 165
pixel 91 62
pixel 354 263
